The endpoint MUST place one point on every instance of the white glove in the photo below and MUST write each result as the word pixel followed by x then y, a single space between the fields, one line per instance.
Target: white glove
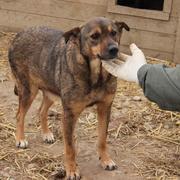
pixel 128 70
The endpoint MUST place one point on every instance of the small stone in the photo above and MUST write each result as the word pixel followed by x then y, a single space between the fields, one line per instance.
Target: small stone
pixel 53 113
pixel 60 175
pixel 119 106
pixel 137 98
pixel 178 123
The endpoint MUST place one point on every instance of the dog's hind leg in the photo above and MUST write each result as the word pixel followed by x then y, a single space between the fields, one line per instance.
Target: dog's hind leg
pixel 26 96
pixel 104 110
pixel 43 112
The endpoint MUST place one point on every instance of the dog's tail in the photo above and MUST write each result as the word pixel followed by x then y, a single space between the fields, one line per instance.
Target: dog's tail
pixel 16 90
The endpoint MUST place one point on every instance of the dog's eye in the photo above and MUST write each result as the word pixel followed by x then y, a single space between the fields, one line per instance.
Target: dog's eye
pixel 95 36
pixel 113 33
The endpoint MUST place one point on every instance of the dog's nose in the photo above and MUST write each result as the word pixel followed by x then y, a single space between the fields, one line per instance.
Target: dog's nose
pixel 113 50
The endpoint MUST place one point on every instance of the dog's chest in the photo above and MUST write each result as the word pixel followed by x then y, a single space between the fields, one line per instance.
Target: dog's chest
pixel 95 96
pixel 98 94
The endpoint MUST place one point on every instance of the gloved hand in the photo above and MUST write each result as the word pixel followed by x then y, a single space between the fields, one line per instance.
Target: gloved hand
pixel 128 70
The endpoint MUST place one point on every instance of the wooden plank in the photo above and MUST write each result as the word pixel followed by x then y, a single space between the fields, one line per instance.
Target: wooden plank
pixel 151 53
pixel 150 40
pixel 56 8
pixel 167 6
pixel 175 8
pixel 17 20
pixel 97 2
pixel 177 45
pixel 82 12
pixel 145 24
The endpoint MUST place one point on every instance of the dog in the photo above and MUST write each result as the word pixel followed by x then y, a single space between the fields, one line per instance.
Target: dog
pixel 67 65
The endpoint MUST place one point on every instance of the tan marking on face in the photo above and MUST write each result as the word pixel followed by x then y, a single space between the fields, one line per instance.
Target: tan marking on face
pixel 109 28
pixel 96 30
pixel 80 59
pixel 104 45
pixel 96 50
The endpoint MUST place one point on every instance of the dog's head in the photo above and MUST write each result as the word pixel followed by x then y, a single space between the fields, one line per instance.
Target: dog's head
pixel 99 38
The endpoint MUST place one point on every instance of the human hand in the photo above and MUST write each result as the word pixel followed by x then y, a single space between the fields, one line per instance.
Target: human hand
pixel 128 70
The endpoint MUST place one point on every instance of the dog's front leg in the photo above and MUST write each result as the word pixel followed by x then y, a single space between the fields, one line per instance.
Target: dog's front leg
pixel 69 122
pixel 104 110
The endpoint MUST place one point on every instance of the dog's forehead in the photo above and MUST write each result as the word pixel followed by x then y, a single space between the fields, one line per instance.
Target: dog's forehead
pixel 103 24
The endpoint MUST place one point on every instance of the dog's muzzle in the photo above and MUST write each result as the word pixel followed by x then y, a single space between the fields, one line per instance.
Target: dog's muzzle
pixel 110 53
pixel 113 51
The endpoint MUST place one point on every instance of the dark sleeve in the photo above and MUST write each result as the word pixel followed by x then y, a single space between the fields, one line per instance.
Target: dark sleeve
pixel 161 85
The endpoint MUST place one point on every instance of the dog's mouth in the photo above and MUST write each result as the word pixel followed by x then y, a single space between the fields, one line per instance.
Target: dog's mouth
pixel 106 58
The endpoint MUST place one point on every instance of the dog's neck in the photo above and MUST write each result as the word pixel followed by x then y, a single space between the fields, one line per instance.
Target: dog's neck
pixel 95 69
pixel 98 74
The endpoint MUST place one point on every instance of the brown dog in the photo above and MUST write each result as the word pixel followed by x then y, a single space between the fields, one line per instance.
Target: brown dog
pixel 67 65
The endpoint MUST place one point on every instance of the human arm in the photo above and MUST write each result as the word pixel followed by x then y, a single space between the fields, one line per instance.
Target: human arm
pixel 160 84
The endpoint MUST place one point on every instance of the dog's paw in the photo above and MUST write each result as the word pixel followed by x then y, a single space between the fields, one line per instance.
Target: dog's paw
pixel 108 164
pixel 48 137
pixel 22 143
pixel 73 174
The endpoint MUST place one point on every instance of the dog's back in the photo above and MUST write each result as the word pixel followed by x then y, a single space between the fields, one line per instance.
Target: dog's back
pixel 34 50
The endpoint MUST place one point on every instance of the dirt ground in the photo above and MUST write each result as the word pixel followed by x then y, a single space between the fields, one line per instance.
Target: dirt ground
pixel 143 140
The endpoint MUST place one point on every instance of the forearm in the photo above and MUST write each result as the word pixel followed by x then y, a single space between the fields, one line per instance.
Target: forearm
pixel 161 85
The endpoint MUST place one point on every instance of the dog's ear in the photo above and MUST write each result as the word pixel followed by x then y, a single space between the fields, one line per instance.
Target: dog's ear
pixel 122 25
pixel 75 32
